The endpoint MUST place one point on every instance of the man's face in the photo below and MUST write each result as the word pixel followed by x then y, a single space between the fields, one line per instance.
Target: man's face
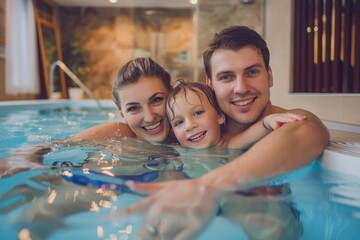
pixel 241 83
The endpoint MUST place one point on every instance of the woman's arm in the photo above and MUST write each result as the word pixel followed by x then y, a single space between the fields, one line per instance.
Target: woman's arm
pixel 105 130
pixel 31 156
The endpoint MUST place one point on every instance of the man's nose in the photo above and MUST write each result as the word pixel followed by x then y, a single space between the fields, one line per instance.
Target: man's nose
pixel 240 86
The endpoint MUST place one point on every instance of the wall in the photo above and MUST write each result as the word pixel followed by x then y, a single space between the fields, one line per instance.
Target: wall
pixel 113 36
pixel 215 15
pixel 2 76
pixel 278 33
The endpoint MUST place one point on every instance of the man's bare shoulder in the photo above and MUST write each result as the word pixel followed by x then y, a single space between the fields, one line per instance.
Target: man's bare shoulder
pixel 300 111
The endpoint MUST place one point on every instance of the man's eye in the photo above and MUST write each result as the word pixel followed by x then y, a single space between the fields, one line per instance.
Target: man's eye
pixel 225 77
pixel 252 72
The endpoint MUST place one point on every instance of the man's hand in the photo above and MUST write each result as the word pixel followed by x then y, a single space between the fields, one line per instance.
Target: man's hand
pixel 176 209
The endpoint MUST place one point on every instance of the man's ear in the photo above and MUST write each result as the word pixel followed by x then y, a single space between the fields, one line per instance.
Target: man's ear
pixel 221 118
pixel 270 77
pixel 208 82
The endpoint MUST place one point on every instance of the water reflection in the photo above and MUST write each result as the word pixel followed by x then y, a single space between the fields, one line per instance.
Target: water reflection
pixel 82 191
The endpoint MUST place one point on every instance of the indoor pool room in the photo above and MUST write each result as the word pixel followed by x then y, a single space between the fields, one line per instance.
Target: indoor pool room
pixel 97 142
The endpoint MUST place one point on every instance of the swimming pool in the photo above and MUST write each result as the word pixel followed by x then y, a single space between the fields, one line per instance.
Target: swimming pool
pixel 52 202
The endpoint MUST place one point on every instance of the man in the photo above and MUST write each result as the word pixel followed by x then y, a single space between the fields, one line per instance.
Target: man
pixel 237 68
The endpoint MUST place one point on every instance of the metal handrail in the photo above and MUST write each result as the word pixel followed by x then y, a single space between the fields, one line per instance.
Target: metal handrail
pixel 72 76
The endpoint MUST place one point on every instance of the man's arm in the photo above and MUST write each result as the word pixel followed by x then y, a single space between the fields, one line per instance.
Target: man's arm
pixel 262 128
pixel 290 147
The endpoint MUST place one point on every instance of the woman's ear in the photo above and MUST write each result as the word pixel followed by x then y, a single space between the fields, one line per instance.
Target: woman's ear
pixel 122 116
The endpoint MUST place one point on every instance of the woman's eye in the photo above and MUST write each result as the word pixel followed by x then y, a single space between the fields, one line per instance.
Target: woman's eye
pixel 157 100
pixel 132 109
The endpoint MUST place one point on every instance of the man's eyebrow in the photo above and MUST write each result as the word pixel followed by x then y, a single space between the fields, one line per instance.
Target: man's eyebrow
pixel 254 66
pixel 224 72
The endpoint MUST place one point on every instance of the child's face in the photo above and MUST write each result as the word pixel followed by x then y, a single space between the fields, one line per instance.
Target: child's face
pixel 195 122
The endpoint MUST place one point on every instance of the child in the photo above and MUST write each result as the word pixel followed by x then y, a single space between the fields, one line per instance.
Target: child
pixel 196 119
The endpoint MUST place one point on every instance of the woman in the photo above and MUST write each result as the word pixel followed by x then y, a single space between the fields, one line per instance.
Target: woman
pixel 140 91
pixel 144 114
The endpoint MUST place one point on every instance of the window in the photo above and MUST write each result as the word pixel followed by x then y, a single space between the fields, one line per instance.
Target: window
pixel 2 28
pixel 326 46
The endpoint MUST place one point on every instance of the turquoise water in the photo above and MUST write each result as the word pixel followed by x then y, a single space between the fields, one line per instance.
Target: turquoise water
pixel 60 201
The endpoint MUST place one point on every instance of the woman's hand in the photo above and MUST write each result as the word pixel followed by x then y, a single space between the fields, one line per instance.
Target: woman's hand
pixel 25 158
pixel 176 209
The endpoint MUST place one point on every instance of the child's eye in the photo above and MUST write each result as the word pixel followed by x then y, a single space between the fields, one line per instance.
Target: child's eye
pixel 197 113
pixel 178 123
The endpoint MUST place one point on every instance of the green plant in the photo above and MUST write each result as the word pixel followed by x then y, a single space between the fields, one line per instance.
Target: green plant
pixel 76 59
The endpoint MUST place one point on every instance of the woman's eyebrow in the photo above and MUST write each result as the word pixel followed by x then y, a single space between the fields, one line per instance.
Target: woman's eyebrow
pixel 156 94
pixel 131 103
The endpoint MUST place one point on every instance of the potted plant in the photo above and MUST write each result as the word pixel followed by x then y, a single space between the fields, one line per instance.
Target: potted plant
pixel 75 58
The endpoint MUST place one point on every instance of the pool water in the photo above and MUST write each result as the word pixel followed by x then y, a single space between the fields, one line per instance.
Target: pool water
pixel 62 200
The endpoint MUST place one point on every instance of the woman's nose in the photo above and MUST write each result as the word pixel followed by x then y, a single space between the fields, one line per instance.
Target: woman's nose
pixel 149 114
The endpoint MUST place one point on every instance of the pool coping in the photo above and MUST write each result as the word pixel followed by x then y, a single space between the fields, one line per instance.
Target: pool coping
pixel 343 152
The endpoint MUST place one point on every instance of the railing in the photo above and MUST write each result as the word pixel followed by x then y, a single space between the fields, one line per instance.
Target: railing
pixel 72 76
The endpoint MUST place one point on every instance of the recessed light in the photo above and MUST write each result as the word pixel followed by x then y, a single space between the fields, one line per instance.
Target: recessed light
pixel 113 1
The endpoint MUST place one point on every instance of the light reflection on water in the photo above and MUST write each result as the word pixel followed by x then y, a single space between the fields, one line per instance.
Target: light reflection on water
pixel 43 201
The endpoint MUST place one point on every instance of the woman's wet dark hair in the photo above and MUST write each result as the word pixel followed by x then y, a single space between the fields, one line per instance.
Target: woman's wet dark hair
pixel 235 38
pixel 132 71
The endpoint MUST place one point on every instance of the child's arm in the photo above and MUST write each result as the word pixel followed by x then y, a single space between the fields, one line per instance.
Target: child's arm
pixel 262 128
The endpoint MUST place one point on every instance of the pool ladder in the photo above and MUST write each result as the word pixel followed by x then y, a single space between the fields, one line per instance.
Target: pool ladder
pixel 73 77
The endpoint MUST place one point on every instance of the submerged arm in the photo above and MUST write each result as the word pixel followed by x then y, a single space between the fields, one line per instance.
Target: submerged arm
pixel 31 156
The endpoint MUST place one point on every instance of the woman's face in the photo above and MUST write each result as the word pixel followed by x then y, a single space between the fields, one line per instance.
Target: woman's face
pixel 143 107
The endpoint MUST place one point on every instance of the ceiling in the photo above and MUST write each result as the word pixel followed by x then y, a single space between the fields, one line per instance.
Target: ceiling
pixel 127 3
